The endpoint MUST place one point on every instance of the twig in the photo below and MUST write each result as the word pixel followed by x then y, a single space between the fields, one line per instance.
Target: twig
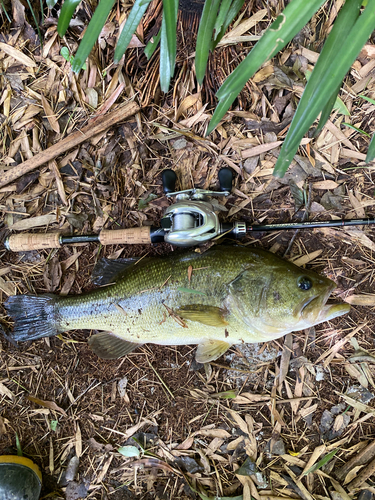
pixel 95 127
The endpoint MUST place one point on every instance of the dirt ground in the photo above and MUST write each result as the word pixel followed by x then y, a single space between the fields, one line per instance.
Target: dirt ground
pixel 292 418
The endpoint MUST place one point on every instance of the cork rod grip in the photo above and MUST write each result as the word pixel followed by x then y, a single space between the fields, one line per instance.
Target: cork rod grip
pixel 132 236
pixel 29 241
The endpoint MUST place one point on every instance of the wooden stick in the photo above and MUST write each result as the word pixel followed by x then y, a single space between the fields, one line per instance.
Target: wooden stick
pixel 95 126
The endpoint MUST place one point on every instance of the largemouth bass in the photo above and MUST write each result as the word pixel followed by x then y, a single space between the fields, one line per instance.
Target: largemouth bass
pixel 226 296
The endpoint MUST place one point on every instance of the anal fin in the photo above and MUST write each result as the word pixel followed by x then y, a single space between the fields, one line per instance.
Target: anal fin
pixel 108 346
pixel 209 350
pixel 207 315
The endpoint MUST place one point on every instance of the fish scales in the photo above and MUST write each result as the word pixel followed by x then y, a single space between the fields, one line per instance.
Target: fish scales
pixel 142 316
pixel 235 295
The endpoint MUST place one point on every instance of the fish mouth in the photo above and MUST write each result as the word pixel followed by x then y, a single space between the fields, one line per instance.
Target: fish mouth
pixel 313 304
pixel 330 311
pixel 316 310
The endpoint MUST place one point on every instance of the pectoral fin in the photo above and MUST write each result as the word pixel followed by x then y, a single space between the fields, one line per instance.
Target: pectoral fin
pixel 108 346
pixel 207 315
pixel 209 350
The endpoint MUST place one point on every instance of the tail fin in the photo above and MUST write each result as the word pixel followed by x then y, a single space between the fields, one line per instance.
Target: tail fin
pixel 34 316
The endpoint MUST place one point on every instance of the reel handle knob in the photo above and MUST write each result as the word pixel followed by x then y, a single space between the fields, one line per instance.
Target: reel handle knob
pixel 169 179
pixel 225 176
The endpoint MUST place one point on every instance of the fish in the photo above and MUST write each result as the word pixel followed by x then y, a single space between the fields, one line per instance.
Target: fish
pixel 225 296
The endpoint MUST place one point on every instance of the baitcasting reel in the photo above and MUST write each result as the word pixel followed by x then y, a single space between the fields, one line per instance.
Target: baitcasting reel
pixel 193 220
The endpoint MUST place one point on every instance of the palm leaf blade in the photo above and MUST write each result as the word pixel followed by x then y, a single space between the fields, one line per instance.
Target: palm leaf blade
pixel 204 37
pixel 66 14
pixel 348 38
pixel 135 16
pixel 371 150
pixel 93 31
pixel 168 46
pixel 283 29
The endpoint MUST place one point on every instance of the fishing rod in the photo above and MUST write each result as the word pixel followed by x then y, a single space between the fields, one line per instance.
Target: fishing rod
pixel 192 220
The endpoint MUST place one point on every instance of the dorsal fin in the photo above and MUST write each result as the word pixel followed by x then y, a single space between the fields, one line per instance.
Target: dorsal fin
pixel 108 271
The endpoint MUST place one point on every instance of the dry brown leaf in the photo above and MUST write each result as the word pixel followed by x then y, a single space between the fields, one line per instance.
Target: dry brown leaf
pixel 47 45
pixel 352 474
pixel 293 460
pixel 325 185
pixel 357 205
pixel 368 51
pixel 3 429
pixel 214 445
pixel 187 103
pixel 275 477
pixel 247 398
pixel 68 283
pixel 78 441
pixel 365 299
pixel 246 25
pixel 239 421
pixel 338 423
pixel 304 412
pixel 348 153
pixel 59 183
pixel 51 456
pixel 7 288
pixel 339 135
pixel 186 445
pixel 104 470
pixel 38 221
pixel 330 354
pixel 51 405
pixel 305 259
pixel 263 73
pixel 298 388
pixel 357 373
pixel 4 391
pixel 361 237
pixel 340 490
pixel 285 358
pixel 357 405
pixel 305 493
pixel 213 433
pixel 65 264
pixel 233 444
pixel 50 115
pixel 18 55
pixel 310 55
pixel 200 116
pixel 131 430
pixel 263 148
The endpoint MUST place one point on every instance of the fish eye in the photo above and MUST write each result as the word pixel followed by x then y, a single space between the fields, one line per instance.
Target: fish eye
pixel 304 283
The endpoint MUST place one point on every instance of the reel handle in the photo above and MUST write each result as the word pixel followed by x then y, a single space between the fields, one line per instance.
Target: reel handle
pixel 169 179
pixel 225 176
